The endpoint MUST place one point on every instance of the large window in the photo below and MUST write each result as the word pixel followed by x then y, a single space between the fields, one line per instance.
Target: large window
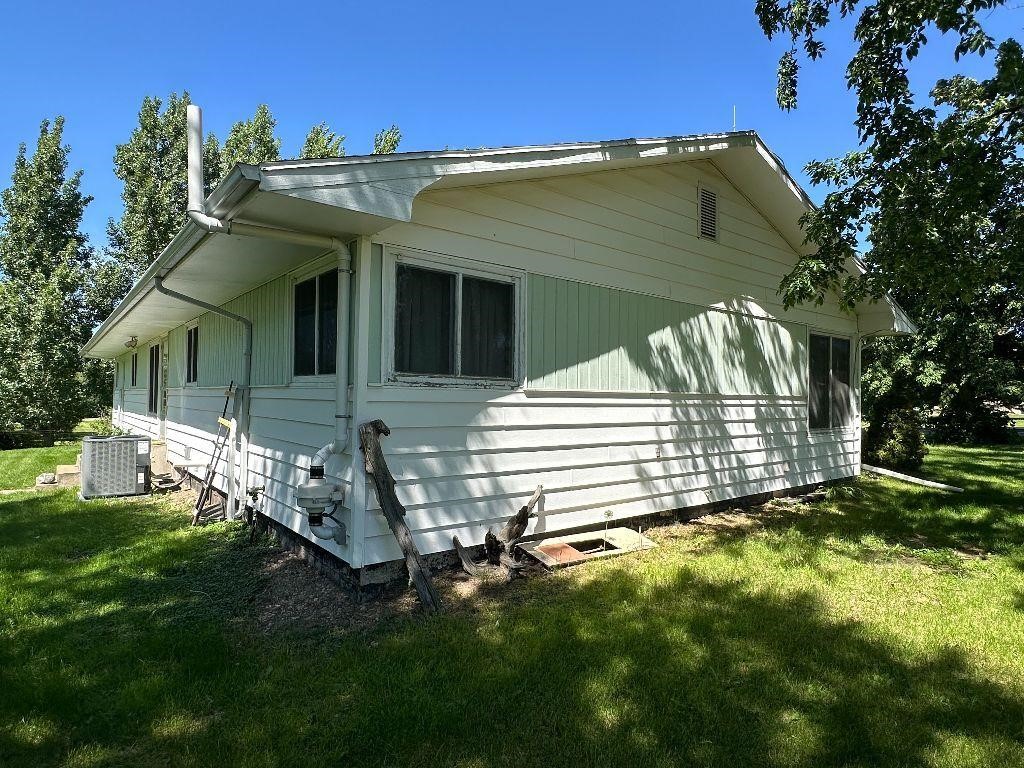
pixel 453 322
pixel 192 355
pixel 154 380
pixel 316 325
pixel 830 403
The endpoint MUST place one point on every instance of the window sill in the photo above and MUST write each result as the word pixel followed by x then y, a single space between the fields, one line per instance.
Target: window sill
pixel 450 382
pixel 829 430
pixel 314 381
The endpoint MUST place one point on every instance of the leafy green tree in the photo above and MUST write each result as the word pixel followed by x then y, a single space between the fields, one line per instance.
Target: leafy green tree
pixel 251 141
pixel 930 202
pixel 153 166
pixel 44 263
pixel 322 142
pixel 387 141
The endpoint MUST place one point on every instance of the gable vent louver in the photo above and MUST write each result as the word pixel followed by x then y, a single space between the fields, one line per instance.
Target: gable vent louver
pixel 707 213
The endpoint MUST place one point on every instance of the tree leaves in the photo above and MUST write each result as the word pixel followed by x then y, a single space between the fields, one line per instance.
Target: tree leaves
pixel 251 141
pixel 929 207
pixel 44 266
pixel 386 142
pixel 321 142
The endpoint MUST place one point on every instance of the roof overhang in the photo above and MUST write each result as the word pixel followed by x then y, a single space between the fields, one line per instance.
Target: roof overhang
pixel 351 196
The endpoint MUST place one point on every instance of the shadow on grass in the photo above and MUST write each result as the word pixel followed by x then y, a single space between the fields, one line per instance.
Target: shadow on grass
pixel 137 650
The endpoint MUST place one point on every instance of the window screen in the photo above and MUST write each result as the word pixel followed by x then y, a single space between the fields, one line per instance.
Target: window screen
pixel 424 321
pixel 327 322
pixel 488 328
pixel 818 400
pixel 841 395
pixel 154 379
pixel 192 355
pixel 316 325
pixel 305 328
pixel 829 396
pixel 452 323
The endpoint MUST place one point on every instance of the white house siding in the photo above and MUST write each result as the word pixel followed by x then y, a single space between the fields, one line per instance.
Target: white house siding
pixel 661 372
pixel 289 420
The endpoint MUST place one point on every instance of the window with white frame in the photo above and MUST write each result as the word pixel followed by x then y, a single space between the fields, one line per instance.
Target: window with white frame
pixel 454 322
pixel 316 325
pixel 830 399
pixel 192 355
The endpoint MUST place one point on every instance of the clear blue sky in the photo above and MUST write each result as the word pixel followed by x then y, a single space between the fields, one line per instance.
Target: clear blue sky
pixel 449 74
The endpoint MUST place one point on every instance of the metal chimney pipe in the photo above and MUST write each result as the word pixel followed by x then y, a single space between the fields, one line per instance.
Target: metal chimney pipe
pixel 196 205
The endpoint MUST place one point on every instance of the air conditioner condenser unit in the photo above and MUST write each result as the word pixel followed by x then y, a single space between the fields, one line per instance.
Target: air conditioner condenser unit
pixel 115 466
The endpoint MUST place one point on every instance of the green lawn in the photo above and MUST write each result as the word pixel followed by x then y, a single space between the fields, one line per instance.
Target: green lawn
pixel 20 467
pixel 885 629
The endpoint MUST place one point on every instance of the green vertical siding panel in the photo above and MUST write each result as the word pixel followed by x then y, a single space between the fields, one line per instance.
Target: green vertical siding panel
pixel 549 331
pixel 220 339
pixel 602 339
pixel 572 340
pixel 176 357
pixel 376 312
pixel 611 329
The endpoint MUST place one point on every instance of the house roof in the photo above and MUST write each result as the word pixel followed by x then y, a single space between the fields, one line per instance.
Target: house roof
pixel 362 195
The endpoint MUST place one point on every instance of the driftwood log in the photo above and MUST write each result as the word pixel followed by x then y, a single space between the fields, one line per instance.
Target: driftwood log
pixel 384 484
pixel 500 546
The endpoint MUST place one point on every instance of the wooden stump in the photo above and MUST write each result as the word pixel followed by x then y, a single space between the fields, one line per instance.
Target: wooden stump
pixel 384 484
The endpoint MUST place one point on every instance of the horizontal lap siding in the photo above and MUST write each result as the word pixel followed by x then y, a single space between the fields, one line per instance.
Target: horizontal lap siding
pixel 591 453
pixel 662 371
pixel 288 422
pixel 287 425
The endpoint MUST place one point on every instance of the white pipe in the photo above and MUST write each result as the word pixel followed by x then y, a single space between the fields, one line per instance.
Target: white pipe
pixel 911 479
pixel 197 207
pixel 341 367
pixel 197 212
pixel 243 382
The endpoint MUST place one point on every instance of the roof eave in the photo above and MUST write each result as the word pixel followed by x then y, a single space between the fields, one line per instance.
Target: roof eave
pixel 241 181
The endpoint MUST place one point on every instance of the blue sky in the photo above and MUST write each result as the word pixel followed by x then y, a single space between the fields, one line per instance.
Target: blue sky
pixel 449 74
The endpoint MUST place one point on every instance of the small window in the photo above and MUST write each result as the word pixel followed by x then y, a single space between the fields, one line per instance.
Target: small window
pixel 192 355
pixel 829 398
pixel 135 369
pixel 316 325
pixel 707 213
pixel 451 322
pixel 154 379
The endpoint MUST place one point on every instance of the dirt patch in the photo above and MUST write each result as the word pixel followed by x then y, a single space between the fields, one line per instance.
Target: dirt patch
pixel 297 598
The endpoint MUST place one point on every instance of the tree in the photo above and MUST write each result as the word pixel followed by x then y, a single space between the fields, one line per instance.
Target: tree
pixel 934 190
pixel 153 166
pixel 386 142
pixel 251 141
pixel 44 260
pixel 322 142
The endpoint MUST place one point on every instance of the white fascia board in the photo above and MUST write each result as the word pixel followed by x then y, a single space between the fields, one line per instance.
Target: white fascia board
pixel 242 180
pixel 387 185
pixel 184 242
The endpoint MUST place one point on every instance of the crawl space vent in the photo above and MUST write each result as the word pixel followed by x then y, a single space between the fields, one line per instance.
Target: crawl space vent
pixel 707 213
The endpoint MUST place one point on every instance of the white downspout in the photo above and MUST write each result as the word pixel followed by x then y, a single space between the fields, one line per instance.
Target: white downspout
pixel 197 213
pixel 342 416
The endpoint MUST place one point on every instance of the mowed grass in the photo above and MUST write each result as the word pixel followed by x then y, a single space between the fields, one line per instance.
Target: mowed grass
pixel 20 467
pixel 885 629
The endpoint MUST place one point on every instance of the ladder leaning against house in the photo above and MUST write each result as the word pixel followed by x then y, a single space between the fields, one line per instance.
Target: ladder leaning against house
pixel 225 432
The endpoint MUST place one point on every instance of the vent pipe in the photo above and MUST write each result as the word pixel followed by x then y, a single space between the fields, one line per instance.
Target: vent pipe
pixel 319 493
